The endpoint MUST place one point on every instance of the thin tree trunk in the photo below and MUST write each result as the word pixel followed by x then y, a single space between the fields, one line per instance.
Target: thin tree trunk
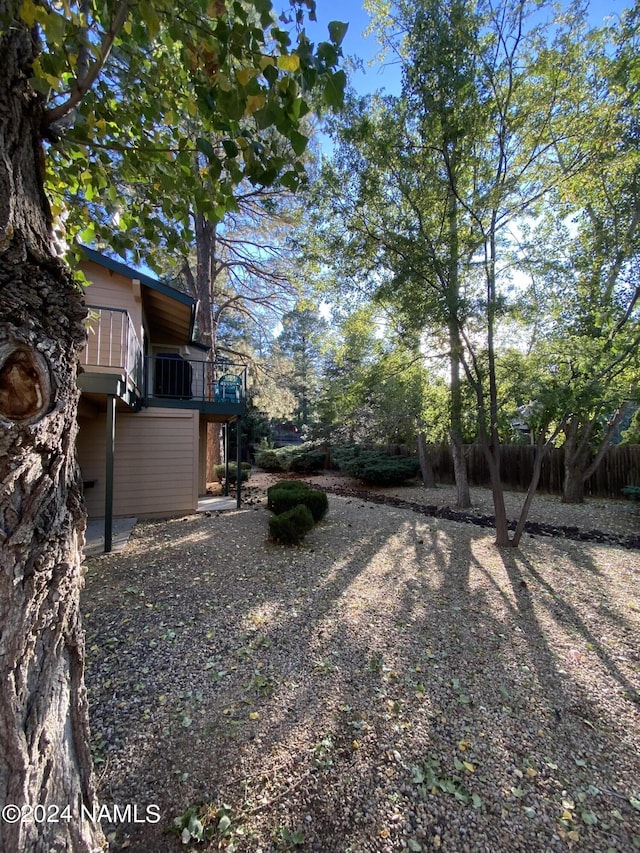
pixel 463 497
pixel 541 450
pixel 492 455
pixel 45 758
pixel 491 436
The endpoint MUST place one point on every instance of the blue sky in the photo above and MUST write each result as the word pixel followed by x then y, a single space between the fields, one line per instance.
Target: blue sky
pixel 388 77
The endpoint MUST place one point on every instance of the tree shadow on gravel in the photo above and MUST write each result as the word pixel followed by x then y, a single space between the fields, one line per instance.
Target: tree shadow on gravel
pixel 303 687
pixel 522 572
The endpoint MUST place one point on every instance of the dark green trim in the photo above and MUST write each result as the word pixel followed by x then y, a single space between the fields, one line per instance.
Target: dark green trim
pixel 205 408
pixel 108 484
pixel 238 463
pixel 130 272
pixel 147 281
pixel 226 460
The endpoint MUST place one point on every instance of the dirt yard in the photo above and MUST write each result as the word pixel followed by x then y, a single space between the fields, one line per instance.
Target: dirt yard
pixel 396 683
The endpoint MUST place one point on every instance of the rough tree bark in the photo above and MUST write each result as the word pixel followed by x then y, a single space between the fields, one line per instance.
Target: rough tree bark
pixel 426 468
pixel 45 758
pixel 580 460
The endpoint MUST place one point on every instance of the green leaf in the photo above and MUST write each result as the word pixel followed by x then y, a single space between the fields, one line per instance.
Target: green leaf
pixel 290 180
pixel 230 148
pixel 55 28
pixel 589 817
pixel 205 147
pixel 224 823
pixel 195 828
pixel 298 142
pixel 150 17
pixel 333 94
pixel 417 775
pixel 337 31
pixel 414 845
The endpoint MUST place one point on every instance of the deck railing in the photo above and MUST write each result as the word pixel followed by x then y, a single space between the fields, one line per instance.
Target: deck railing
pixel 171 376
pixel 112 342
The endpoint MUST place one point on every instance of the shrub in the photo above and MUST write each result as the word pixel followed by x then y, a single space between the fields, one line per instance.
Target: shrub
pixel 317 503
pixel 269 460
pixel 342 454
pixel 632 492
pixel 379 469
pixel 300 458
pixel 287 486
pixel 291 527
pixel 289 493
pixel 221 470
pixel 307 461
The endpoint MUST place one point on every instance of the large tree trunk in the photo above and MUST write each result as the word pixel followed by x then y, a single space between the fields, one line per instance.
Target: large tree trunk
pixel 492 455
pixel 581 461
pixel 426 468
pixel 45 758
pixel 572 485
pixel 576 459
pixel 463 495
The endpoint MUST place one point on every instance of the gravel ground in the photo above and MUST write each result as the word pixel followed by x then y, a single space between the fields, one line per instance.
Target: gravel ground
pixel 396 683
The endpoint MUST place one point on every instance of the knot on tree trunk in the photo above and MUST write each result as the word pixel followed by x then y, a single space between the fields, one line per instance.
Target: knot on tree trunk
pixel 25 383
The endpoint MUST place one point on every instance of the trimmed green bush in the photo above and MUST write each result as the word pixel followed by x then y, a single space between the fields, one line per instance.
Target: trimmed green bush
pixel 302 458
pixel 288 484
pixel 378 469
pixel 291 527
pixel 221 470
pixel 269 460
pixel 317 503
pixel 289 493
pixel 343 454
pixel 308 461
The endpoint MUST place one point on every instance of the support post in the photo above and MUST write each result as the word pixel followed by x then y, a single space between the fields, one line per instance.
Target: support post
pixel 108 483
pixel 226 460
pixel 238 458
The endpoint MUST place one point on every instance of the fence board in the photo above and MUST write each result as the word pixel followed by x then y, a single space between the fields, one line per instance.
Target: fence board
pixel 620 467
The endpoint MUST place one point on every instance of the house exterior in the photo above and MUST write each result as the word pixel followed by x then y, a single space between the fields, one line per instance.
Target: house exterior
pixel 148 391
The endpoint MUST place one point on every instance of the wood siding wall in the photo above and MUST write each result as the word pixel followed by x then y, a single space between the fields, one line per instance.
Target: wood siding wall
pixel 156 463
pixel 110 290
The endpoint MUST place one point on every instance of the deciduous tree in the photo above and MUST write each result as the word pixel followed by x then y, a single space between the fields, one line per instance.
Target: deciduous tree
pixel 60 86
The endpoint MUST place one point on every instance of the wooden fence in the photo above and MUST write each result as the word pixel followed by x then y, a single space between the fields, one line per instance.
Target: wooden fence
pixel 620 467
